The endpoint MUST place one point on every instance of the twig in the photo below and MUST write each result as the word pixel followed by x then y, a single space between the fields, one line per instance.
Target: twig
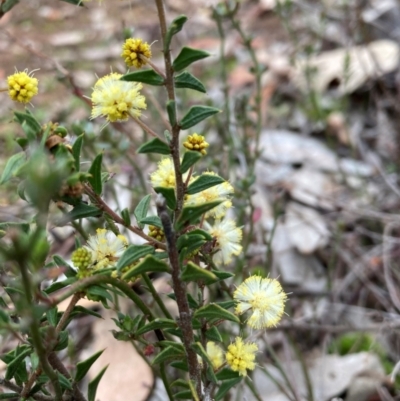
pixel 185 318
pixel 146 128
pixel 106 209
pixel 64 318
pixel 169 84
pixel 386 267
pixel 11 386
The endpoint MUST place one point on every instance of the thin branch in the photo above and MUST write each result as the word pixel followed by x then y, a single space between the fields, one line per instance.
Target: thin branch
pixel 106 209
pixel 185 317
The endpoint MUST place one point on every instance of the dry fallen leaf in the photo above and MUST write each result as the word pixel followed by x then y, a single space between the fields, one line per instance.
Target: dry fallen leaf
pixel 349 67
pixel 330 375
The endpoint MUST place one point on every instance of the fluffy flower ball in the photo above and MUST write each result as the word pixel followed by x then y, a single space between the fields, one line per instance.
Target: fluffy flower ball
pixel 22 86
pixel 215 354
pixel 221 192
pixel 228 238
pixel 266 299
pixel 117 100
pixel 240 356
pixel 106 247
pixel 133 49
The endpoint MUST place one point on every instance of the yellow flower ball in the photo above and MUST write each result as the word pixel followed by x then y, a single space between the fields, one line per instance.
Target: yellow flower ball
pixel 22 86
pixel 135 52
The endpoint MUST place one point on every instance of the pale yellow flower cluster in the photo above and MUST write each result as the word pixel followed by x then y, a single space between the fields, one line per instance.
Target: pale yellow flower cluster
pixel 102 250
pixel 265 297
pixel 240 356
pixel 117 100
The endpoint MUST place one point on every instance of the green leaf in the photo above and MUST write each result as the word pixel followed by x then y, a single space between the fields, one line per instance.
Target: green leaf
pixel 222 275
pixel 146 76
pixel 58 285
pixel 148 264
pixel 141 209
pixel 157 324
pixel 92 388
pixel 29 124
pixel 180 383
pixel 12 367
pixel 170 353
pixel 82 210
pixel 192 302
pixel 192 272
pixel 100 292
pixel 83 367
pixel 189 159
pixel 52 316
pixel 64 382
pixel 204 182
pixel 22 225
pixel 7 396
pixel 183 395
pixel 62 341
pixel 197 114
pixel 182 365
pixel 198 231
pixel 156 145
pixel 126 217
pixel 23 142
pixel 152 221
pixel 227 304
pixel 189 244
pixel 214 311
pixel 60 262
pixel 95 170
pixel 227 374
pixel 186 240
pixel 171 110
pixel 213 334
pixel 188 56
pixel 173 29
pixel 187 80
pixel 225 387
pixel 190 214
pixel 7 6
pixel 132 254
pixel 76 151
pixel 74 2
pixel 12 166
pixel 78 310
pixel 169 195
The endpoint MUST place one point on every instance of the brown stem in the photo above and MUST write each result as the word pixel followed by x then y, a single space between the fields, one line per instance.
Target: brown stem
pixel 152 65
pixel 185 318
pixel 169 84
pixel 106 209
pixel 146 128
pixel 61 324
pixel 56 363
pixel 14 387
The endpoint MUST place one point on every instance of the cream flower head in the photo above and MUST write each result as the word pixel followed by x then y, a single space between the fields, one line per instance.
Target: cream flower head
pixel 117 100
pixel 220 192
pixel 228 238
pixel 265 297
pixel 105 247
pixel 164 176
pixel 215 354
